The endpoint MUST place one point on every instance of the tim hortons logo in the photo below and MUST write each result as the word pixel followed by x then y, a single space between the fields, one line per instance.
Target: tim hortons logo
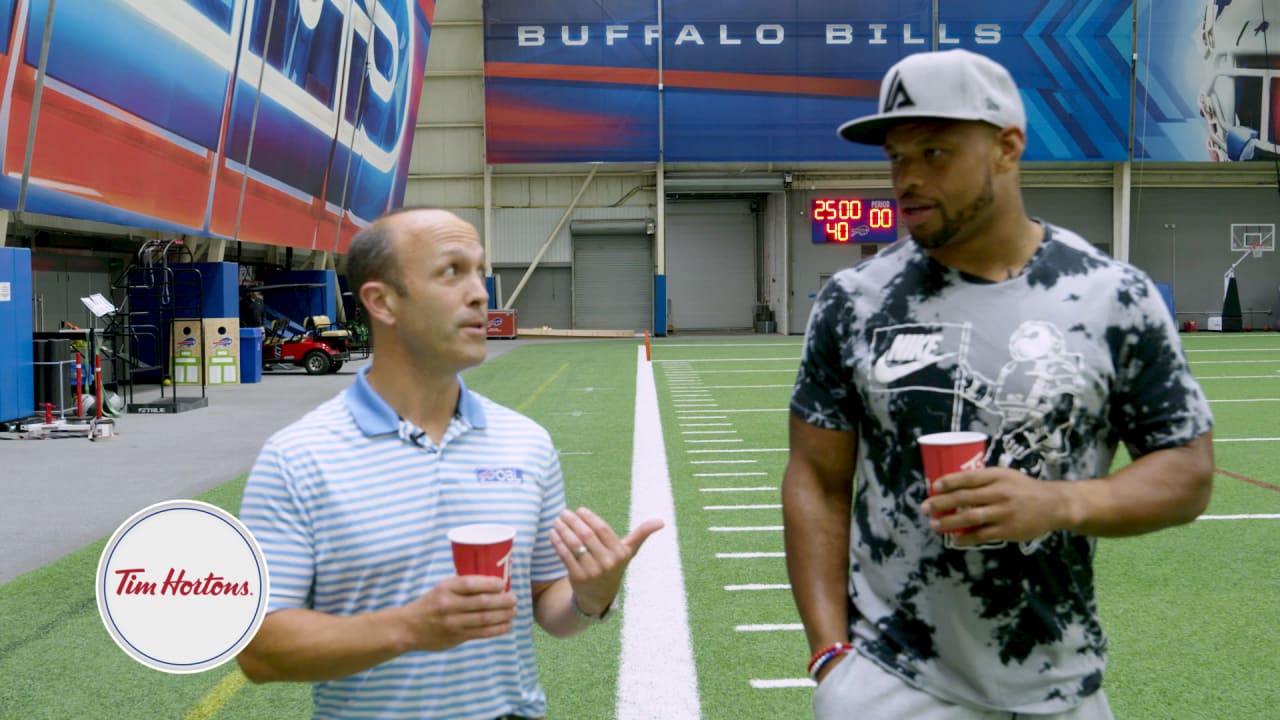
pixel 973 463
pixel 176 583
pixel 182 586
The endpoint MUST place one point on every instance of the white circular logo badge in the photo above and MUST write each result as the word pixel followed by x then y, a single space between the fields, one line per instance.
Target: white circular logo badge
pixel 182 586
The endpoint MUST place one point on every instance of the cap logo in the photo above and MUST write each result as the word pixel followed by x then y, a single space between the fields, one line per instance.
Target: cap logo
pixel 897 97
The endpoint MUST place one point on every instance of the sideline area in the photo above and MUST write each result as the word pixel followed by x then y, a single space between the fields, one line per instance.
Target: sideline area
pixel 61 494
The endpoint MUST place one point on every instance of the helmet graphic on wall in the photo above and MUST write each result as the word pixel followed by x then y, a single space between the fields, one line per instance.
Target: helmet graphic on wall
pixel 1240 100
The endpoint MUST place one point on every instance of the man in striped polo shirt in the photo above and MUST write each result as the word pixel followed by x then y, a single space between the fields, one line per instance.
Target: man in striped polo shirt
pixel 352 505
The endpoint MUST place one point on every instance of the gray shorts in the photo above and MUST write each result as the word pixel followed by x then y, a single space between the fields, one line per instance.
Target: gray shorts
pixel 859 688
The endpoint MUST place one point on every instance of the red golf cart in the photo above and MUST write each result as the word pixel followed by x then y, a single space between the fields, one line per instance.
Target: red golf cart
pixel 320 348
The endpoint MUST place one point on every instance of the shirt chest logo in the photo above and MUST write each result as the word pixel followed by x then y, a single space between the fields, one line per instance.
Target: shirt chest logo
pixel 908 353
pixel 506 476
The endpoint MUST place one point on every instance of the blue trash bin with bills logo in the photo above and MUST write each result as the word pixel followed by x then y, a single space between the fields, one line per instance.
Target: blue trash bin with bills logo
pixel 250 354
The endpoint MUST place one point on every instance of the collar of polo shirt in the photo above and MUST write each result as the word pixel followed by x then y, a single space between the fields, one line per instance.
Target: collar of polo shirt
pixel 375 417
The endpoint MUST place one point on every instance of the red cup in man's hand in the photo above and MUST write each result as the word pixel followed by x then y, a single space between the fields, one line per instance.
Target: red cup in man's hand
pixel 948 452
pixel 483 549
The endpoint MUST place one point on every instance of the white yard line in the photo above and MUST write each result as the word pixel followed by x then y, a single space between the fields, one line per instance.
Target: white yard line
pixel 742 359
pixel 1246 400
pixel 706 417
pixel 740 450
pixel 708 432
pixel 723 462
pixel 716 440
pixel 750 410
pixel 716 345
pixel 1219 350
pixel 763 488
pixel 782 627
pixel 684 425
pixel 656 677
pixel 1239 517
pixel 731 474
pixel 1227 440
pixel 785 683
pixel 748 387
pixel 749 555
pixel 754 528
pixel 753 372
pixel 1240 377
pixel 754 587
pixel 742 507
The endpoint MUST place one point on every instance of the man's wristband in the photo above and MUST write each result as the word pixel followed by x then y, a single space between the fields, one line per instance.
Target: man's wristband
pixel 604 614
pixel 826 655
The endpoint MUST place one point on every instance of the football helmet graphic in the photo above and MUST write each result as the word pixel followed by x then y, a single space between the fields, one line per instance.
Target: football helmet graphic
pixel 1240 100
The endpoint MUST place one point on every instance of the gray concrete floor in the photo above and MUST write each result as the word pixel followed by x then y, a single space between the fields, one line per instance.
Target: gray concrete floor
pixel 58 495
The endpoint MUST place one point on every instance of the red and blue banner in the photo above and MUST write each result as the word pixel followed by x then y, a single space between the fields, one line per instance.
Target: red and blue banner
pixel 757 80
pixel 570 81
pixel 150 113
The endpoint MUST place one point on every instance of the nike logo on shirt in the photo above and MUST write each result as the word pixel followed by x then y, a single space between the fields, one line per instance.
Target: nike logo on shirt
pixel 909 353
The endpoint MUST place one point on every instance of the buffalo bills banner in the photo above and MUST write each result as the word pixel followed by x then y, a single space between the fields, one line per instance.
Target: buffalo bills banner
pixel 150 114
pixel 1072 62
pixel 763 80
pixel 1207 86
pixel 758 80
pixel 571 81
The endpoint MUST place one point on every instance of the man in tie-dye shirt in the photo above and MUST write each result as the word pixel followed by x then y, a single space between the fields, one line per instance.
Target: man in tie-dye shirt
pixel 983 320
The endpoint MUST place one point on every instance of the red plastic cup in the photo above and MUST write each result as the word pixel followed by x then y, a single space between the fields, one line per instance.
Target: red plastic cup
pixel 483 549
pixel 948 452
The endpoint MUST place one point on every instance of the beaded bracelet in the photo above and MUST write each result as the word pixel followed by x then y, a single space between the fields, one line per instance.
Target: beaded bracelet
pixel 826 655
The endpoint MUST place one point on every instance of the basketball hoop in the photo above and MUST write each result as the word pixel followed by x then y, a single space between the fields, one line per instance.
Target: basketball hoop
pixel 1252 239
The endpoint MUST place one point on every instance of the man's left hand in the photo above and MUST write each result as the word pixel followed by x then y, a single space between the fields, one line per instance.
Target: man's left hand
pixel 995 504
pixel 596 573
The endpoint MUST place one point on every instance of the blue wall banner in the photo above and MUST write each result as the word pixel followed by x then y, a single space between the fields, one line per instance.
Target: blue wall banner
pixel 1071 61
pixel 147 107
pixel 1206 89
pixel 757 80
pixel 569 81
pixel 760 80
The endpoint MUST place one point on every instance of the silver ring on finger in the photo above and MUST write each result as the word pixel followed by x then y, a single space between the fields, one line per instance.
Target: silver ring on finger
pixel 582 550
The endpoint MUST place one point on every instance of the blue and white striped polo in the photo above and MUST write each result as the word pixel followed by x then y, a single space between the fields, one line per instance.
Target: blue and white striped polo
pixel 352 506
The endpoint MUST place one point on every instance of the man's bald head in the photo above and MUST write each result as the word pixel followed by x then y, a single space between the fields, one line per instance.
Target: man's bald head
pixel 375 251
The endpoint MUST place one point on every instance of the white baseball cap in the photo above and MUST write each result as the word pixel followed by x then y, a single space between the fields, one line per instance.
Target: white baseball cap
pixel 947 85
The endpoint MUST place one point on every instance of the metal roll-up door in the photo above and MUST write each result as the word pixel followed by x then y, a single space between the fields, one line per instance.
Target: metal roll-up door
pixel 544 301
pixel 612 282
pixel 711 265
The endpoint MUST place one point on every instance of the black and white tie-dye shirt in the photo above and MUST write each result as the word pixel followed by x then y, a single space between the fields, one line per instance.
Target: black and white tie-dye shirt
pixel 1057 365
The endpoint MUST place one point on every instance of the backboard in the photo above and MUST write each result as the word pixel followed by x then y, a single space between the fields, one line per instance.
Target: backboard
pixel 1258 238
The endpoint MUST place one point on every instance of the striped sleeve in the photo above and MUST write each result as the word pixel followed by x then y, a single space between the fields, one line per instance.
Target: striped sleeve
pixel 277 516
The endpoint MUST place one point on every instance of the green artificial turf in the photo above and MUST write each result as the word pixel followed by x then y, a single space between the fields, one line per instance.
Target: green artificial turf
pixel 1193 613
